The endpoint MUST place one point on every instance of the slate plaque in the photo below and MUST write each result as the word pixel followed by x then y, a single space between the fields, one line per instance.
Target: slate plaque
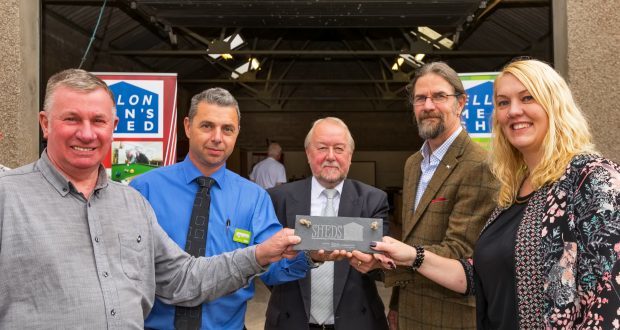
pixel 337 233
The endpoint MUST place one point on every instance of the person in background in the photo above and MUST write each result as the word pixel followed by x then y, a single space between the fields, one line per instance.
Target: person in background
pixel 79 250
pixel 333 295
pixel 448 193
pixel 549 254
pixel 269 172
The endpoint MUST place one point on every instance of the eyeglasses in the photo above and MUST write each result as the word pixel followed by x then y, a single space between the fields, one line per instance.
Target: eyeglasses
pixel 435 98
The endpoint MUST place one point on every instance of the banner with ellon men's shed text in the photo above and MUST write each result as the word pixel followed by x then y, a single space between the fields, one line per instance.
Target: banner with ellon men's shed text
pixel 476 116
pixel 146 135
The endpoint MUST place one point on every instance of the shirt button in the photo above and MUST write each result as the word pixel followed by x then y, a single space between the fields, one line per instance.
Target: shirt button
pixel 64 189
pixel 113 312
pixel 105 274
pixel 139 239
pixel 97 239
pixel 88 204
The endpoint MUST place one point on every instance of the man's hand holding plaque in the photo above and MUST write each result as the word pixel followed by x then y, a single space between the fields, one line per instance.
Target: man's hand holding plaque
pixel 364 262
pixel 322 255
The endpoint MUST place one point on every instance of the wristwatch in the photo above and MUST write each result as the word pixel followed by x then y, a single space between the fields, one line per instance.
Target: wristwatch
pixel 311 263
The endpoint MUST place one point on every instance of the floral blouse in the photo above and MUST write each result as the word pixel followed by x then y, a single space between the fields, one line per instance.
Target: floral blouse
pixel 567 253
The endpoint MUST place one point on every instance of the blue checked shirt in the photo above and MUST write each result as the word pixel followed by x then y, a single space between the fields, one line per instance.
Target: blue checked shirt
pixel 430 163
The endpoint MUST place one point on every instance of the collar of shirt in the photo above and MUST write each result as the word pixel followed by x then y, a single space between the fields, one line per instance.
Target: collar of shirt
pixel 191 172
pixel 437 156
pixel 317 188
pixel 59 182
pixel 318 199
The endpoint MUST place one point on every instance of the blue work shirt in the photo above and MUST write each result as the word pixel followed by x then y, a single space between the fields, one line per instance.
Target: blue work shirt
pixel 236 203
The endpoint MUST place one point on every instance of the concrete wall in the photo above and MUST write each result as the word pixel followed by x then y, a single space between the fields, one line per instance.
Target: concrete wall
pixel 19 86
pixel 593 62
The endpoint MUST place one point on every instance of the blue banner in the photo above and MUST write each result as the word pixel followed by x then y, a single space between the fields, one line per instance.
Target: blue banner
pixel 137 109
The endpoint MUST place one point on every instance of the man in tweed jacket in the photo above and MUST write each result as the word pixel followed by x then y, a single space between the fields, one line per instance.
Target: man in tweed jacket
pixel 448 194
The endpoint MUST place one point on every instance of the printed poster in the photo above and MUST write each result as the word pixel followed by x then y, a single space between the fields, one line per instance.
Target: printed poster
pixel 476 116
pixel 146 135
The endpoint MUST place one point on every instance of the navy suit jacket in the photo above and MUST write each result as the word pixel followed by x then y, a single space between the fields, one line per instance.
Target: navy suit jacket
pixel 357 304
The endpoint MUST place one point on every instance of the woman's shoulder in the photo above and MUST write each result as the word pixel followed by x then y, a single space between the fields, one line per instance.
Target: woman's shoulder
pixel 593 182
pixel 586 164
pixel 592 160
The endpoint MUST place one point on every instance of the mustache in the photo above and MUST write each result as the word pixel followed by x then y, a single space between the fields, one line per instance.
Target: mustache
pixel 429 115
pixel 330 163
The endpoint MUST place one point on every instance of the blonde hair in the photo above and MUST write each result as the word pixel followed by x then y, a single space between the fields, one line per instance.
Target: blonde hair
pixel 568 133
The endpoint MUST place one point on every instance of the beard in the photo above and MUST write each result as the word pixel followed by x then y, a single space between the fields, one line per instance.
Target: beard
pixel 331 177
pixel 332 180
pixel 428 129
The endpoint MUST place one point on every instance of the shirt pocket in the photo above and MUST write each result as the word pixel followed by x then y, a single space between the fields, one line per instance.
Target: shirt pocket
pixel 132 255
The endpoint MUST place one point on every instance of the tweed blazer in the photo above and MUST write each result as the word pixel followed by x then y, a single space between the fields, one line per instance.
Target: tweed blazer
pixel 449 217
pixel 357 304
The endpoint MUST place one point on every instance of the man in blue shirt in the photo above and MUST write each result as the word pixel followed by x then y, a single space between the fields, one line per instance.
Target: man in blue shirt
pixel 241 213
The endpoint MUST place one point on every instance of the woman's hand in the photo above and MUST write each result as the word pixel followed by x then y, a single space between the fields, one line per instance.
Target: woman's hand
pixel 394 251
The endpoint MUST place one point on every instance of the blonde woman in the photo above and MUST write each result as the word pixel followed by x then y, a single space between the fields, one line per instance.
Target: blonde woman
pixel 548 255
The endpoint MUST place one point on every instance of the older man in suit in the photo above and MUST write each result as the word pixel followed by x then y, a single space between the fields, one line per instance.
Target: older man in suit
pixel 333 295
pixel 448 194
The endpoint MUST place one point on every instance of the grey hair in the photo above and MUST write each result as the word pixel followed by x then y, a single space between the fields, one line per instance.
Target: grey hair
pixel 274 150
pixel 334 120
pixel 217 96
pixel 443 70
pixel 75 79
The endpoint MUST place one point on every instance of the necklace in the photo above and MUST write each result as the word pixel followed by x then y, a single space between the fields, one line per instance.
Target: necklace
pixel 523 199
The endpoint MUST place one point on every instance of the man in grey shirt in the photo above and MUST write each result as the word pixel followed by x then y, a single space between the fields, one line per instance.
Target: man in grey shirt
pixel 80 251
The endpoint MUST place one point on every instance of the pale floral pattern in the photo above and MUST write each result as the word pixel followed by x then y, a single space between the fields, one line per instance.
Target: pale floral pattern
pixel 568 250
pixel 585 295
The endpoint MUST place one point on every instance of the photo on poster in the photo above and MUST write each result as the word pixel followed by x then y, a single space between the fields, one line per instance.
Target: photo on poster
pixel 132 158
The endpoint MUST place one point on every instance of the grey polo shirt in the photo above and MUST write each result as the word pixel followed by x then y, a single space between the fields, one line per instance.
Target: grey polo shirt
pixel 72 263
